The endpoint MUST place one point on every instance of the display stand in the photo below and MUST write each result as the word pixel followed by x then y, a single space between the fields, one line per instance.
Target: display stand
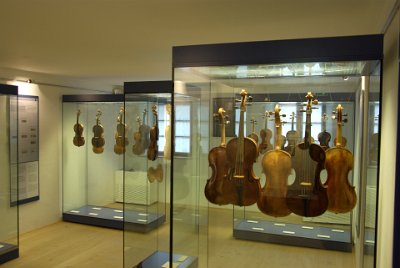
pixel 284 79
pixel 9 232
pixel 93 166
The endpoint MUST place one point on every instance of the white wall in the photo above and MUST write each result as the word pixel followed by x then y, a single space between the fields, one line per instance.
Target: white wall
pixel 388 145
pixel 47 210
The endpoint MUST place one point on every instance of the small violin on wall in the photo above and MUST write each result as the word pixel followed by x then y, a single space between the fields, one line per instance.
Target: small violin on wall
pixel 98 137
pixel 79 140
pixel 121 139
pixel 152 151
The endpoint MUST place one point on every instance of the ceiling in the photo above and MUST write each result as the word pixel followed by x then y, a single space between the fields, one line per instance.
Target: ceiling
pixel 99 44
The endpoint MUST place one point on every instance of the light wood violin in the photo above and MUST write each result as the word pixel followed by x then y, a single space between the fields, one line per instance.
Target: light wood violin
pixel 78 140
pixel 307 196
pixel 98 141
pixel 276 165
pixel 155 174
pixel 152 151
pixel 242 152
pixel 339 162
pixel 121 139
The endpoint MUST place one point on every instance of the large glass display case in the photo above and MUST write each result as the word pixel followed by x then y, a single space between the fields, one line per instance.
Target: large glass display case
pixel 148 107
pixel 9 236
pixel 98 134
pixel 283 149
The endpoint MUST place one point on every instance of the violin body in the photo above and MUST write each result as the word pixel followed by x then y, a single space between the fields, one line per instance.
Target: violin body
pixel 152 151
pixel 324 138
pixel 98 141
pixel 219 189
pixel 78 140
pixel 120 139
pixel 155 174
pixel 292 136
pixel 265 145
pixel 137 148
pixel 247 188
pixel 254 137
pixel 307 196
pixel 276 166
pixel 341 195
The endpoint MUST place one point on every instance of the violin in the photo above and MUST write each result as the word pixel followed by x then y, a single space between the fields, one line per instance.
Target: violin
pixel 266 135
pixel 152 151
pixel 144 130
pixel 339 162
pixel 324 137
pixel 167 146
pixel 307 196
pixel 98 135
pixel 277 166
pixel 121 139
pixel 218 185
pixel 292 137
pixel 241 154
pixel 253 134
pixel 155 174
pixel 137 148
pixel 78 140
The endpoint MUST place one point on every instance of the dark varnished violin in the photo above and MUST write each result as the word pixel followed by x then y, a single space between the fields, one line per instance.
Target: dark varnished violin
pixel 266 135
pixel 242 152
pixel 292 137
pixel 324 137
pixel 121 139
pixel 219 189
pixel 253 134
pixel 276 165
pixel 137 147
pixel 152 151
pixel 98 135
pixel 144 130
pixel 307 196
pixel 78 140
pixel 339 162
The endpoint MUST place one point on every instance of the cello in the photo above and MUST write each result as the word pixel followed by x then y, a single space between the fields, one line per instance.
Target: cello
pixel 265 134
pixel 121 140
pixel 277 166
pixel 324 137
pixel 307 196
pixel 292 137
pixel 78 140
pixel 218 185
pixel 98 135
pixel 339 162
pixel 242 152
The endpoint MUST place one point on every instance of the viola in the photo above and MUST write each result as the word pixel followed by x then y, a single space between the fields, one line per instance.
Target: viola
pixel 277 166
pixel 219 189
pixel 307 196
pixel 339 162
pixel 242 152
pixel 324 137
pixel 152 151
pixel 155 174
pixel 292 137
pixel 167 146
pixel 78 140
pixel 137 147
pixel 98 135
pixel 121 139
pixel 253 134
pixel 266 135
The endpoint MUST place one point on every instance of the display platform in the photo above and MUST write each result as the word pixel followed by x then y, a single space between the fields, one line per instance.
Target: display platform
pixel 293 234
pixel 161 259
pixel 114 218
pixel 8 252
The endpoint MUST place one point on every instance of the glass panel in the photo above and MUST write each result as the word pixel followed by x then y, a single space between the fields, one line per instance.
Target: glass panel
pixel 306 212
pixel 146 174
pixel 8 174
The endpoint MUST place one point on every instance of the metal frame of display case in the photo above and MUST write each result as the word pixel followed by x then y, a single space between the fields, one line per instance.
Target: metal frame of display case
pixel 7 251
pixel 329 49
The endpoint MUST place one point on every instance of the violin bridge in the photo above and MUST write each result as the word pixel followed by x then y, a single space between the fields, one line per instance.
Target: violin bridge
pixel 238 177
pixel 307 184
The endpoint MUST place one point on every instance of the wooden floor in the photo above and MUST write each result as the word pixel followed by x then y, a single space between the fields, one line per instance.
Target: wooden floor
pixel 66 244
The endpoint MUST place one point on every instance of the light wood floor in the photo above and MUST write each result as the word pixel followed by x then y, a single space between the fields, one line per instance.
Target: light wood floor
pixel 66 244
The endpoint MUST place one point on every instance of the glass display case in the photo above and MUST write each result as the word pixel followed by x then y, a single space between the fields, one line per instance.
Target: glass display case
pixel 9 234
pixel 283 149
pixel 98 135
pixel 147 172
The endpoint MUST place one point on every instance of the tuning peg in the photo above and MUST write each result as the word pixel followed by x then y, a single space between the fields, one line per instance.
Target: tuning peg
pixel 344 120
pixel 344 114
pixel 303 111
pixel 250 98
pixel 238 100
pixel 227 122
pixel 333 112
pixel 283 115
pixel 315 102
pixel 215 115
pixel 314 108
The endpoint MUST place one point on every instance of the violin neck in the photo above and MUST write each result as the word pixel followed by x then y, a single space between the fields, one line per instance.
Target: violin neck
pixel 323 124
pixel 339 135
pixel 223 139
pixel 278 138
pixel 307 136
pixel 292 123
